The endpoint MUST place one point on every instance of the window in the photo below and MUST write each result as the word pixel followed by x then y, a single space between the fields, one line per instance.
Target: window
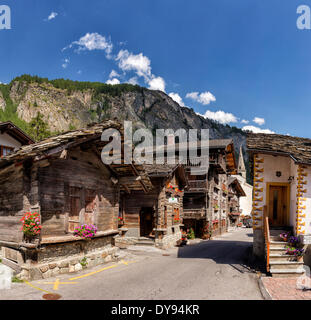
pixel 83 207
pixel 4 151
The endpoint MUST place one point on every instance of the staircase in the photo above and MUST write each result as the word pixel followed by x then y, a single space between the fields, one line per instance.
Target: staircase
pixel 279 263
pixel 144 241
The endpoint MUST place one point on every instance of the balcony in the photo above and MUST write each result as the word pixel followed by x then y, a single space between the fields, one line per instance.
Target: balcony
pixel 197 185
pixel 194 213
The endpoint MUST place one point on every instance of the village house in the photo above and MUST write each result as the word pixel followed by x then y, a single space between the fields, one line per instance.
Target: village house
pixel 64 180
pixel 206 197
pixel 281 170
pixel 155 217
pixel 235 192
pixel 12 138
pixel 246 202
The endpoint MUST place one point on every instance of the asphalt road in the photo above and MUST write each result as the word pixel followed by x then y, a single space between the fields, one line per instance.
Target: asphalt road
pixel 215 269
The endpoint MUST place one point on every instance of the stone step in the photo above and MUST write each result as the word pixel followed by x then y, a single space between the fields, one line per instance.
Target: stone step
pixel 288 265
pixel 277 250
pixel 281 256
pixel 287 273
pixel 278 244
pixel 144 242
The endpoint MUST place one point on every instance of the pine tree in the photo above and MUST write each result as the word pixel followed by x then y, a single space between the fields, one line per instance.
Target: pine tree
pixel 39 127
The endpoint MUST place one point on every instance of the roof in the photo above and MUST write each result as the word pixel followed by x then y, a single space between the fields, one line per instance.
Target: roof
pixel 15 132
pixel 299 149
pixel 234 181
pixel 90 136
pixel 166 170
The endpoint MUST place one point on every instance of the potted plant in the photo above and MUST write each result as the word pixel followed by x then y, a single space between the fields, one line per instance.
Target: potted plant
pixel 120 221
pixel 299 254
pixel 31 226
pixel 191 234
pixel 284 236
pixel 293 241
pixel 184 238
pixel 290 251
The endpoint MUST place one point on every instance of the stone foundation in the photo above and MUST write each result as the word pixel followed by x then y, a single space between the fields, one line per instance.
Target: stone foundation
pixel 59 258
pixel 168 240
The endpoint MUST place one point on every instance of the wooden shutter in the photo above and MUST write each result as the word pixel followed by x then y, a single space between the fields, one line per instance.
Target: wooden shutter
pixel 90 206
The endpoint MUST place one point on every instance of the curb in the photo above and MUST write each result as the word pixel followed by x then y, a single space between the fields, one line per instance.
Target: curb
pixel 266 295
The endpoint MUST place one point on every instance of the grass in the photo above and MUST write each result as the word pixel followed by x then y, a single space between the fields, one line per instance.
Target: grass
pixel 16 280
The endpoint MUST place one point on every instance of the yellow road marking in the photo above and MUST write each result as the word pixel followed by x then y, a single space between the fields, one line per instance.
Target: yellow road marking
pixel 57 283
pixel 126 262
pixel 91 273
pixel 31 285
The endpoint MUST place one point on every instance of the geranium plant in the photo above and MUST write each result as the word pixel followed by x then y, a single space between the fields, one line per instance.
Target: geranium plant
pixel 31 224
pixel 85 231
pixel 291 251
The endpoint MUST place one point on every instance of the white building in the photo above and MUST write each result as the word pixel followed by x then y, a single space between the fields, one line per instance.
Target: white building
pixel 11 138
pixel 247 201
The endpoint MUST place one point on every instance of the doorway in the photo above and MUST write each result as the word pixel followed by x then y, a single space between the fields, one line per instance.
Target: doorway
pixel 278 204
pixel 146 222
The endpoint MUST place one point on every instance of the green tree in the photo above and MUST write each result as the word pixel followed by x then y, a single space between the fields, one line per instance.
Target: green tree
pixel 39 127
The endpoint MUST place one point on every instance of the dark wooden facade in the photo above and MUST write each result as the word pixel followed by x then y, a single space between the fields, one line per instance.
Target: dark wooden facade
pixel 65 181
pixel 158 214
pixel 206 198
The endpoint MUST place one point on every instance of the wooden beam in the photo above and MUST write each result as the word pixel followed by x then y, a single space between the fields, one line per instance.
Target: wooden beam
pixel 129 180
pixel 126 188
pixel 137 174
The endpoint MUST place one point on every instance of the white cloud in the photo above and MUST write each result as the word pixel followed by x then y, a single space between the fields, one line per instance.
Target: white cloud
pixel 113 74
pixel 134 62
pixel 92 41
pixel 52 15
pixel 79 71
pixel 245 121
pixel 256 129
pixel 157 83
pixel 177 98
pixel 220 116
pixel 259 121
pixel 133 81
pixel 203 98
pixel 113 81
pixel 66 62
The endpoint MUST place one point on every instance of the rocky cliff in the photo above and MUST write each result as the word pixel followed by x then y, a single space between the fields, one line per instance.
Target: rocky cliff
pixel 67 104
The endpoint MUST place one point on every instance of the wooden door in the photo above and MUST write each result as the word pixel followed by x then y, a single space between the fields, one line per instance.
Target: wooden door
pixel 278 205
pixel 146 222
pixel 75 208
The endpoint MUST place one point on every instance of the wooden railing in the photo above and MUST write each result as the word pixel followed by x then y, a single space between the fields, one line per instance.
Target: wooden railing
pixel 197 184
pixel 194 213
pixel 267 238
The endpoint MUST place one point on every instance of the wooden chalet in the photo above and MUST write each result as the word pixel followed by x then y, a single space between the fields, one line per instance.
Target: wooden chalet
pixel 63 179
pixel 206 197
pixel 235 191
pixel 155 217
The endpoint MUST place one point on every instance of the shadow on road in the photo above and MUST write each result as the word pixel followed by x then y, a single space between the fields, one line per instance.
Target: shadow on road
pixel 237 254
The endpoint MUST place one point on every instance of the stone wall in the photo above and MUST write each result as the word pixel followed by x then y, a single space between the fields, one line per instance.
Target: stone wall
pixel 169 239
pixel 68 258
pixel 258 244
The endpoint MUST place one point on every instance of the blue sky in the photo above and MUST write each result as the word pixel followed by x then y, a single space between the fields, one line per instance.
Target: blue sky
pixel 245 59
